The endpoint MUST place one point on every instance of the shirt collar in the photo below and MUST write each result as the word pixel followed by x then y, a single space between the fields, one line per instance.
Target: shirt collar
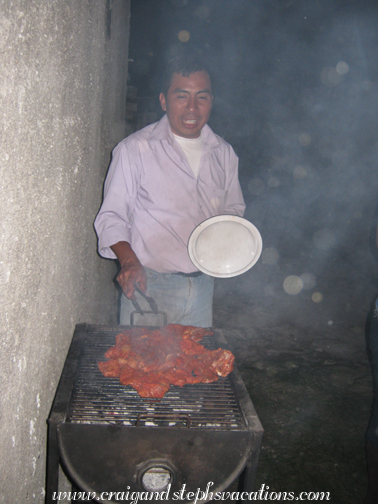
pixel 162 131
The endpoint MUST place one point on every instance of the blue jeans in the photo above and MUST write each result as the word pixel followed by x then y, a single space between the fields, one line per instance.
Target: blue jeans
pixel 185 300
pixel 372 349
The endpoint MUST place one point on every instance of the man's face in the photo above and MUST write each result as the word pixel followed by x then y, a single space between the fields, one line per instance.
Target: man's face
pixel 188 103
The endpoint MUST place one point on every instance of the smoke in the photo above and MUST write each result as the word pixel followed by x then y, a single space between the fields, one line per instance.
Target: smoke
pixel 302 119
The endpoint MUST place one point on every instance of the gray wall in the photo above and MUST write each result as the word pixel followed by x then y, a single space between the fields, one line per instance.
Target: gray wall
pixel 62 93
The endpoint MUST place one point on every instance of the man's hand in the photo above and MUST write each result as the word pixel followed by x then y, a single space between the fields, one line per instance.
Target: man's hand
pixel 132 272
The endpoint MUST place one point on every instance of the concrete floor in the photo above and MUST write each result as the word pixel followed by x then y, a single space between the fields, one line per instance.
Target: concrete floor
pixel 307 372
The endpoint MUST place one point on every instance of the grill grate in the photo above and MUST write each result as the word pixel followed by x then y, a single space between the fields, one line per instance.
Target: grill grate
pixel 96 399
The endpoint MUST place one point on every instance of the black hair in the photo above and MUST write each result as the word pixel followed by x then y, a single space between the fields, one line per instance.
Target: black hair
pixel 184 64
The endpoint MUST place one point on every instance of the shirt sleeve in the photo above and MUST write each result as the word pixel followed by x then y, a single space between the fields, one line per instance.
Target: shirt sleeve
pixel 234 204
pixel 114 220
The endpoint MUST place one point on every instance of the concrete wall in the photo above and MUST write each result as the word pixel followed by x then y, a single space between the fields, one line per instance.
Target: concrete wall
pixel 62 94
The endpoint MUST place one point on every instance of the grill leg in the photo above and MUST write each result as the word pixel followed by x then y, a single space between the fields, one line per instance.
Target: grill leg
pixel 248 476
pixel 77 491
pixel 52 466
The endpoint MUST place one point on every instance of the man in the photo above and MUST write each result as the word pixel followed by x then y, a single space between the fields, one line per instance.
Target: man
pixel 162 182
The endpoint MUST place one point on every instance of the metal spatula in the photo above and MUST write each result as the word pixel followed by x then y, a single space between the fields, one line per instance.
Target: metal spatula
pixel 150 300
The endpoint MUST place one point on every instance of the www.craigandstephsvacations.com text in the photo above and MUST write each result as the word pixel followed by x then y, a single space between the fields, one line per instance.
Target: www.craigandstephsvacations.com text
pixel 195 497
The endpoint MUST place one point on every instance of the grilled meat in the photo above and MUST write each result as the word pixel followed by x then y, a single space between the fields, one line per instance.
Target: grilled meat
pixel 152 360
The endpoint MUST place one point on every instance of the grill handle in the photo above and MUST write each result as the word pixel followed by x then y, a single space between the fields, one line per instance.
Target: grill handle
pixel 169 417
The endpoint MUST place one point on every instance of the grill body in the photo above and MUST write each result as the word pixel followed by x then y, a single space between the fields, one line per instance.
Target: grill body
pixel 107 437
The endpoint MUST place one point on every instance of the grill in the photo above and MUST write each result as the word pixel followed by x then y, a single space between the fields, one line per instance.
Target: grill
pixel 109 439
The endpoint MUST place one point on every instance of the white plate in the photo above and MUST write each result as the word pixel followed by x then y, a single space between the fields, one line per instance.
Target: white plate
pixel 225 246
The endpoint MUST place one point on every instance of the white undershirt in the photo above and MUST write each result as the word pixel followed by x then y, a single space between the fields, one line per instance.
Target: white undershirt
pixel 192 148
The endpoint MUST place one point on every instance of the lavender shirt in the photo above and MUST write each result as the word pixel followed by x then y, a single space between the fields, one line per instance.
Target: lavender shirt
pixel 153 201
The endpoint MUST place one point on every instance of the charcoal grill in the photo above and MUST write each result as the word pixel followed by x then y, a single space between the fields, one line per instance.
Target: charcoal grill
pixel 109 439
